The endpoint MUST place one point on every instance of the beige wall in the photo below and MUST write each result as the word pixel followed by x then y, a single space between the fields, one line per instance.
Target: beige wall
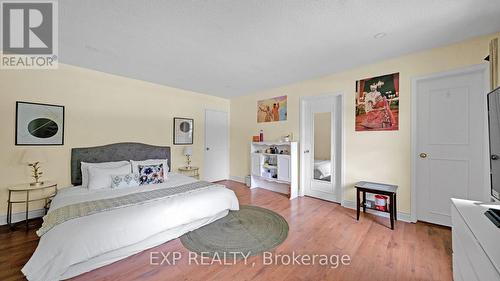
pixel 375 156
pixel 100 109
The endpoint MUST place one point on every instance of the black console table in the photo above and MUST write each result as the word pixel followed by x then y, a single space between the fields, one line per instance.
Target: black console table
pixel 376 188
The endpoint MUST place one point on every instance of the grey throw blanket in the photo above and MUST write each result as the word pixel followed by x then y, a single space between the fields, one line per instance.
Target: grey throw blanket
pixel 82 209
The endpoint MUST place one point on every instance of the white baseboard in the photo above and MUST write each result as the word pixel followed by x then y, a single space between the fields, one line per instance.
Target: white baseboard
pixel 401 216
pixel 16 217
pixel 237 179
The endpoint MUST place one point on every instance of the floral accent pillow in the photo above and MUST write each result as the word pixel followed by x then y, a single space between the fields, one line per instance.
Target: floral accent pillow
pixel 129 180
pixel 150 174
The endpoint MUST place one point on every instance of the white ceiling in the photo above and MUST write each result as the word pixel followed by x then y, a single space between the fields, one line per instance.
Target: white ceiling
pixel 230 48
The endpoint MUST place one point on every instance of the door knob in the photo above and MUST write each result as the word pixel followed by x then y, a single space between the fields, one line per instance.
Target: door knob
pixel 306 151
pixel 494 157
pixel 423 155
pixel 208 148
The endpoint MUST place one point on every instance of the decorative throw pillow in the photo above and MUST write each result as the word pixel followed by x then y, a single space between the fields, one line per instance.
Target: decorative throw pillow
pixel 149 162
pixel 121 181
pixel 151 174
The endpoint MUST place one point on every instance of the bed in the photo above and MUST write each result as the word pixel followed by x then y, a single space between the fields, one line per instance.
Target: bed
pixel 322 170
pixel 85 243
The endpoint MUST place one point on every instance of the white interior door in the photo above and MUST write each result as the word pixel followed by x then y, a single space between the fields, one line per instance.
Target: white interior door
pixel 216 163
pixel 320 143
pixel 450 137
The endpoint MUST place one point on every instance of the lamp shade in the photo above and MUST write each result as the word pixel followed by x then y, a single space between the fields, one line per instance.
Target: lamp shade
pixel 31 156
pixel 188 151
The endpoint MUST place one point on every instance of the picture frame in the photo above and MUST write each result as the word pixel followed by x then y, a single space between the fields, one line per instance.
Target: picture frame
pixel 272 109
pixel 183 131
pixel 377 103
pixel 39 124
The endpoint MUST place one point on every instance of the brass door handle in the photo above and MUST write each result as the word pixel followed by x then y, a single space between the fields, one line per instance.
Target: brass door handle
pixel 423 155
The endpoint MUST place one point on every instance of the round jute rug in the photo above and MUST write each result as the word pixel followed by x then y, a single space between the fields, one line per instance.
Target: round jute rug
pixel 251 230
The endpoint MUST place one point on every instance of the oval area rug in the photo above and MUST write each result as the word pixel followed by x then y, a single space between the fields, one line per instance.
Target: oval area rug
pixel 251 230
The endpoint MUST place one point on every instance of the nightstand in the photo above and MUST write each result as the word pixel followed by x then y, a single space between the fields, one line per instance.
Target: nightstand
pixel 190 172
pixel 45 192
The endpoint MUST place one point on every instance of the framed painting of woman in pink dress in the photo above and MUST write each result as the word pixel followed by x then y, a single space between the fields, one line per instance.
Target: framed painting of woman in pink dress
pixel 377 103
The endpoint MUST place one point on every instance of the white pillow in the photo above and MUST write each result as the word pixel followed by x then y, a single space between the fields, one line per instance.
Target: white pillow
pixel 85 169
pixel 149 162
pixel 101 177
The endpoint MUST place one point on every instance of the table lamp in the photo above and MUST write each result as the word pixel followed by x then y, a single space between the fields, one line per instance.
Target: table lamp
pixel 188 151
pixel 33 158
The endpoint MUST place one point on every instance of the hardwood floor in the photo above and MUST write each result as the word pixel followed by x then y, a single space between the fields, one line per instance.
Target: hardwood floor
pixel 410 252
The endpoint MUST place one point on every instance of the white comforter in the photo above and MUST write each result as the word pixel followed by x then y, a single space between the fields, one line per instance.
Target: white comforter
pixel 85 238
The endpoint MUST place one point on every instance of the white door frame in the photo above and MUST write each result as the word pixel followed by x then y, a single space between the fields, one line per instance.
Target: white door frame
pixel 483 67
pixel 340 145
pixel 205 140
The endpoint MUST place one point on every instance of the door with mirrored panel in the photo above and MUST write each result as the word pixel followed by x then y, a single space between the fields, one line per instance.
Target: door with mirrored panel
pixel 319 148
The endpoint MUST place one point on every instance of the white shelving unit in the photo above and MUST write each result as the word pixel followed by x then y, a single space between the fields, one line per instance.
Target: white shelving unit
pixel 275 171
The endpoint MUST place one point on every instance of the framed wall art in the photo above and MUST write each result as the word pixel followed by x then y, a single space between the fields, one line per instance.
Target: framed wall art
pixel 377 103
pixel 272 110
pixel 39 124
pixel 183 130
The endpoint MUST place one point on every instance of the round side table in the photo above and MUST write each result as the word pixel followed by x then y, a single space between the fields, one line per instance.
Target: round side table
pixel 190 172
pixel 26 189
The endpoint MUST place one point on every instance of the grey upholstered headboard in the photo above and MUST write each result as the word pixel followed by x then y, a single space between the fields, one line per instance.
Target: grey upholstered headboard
pixel 114 152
